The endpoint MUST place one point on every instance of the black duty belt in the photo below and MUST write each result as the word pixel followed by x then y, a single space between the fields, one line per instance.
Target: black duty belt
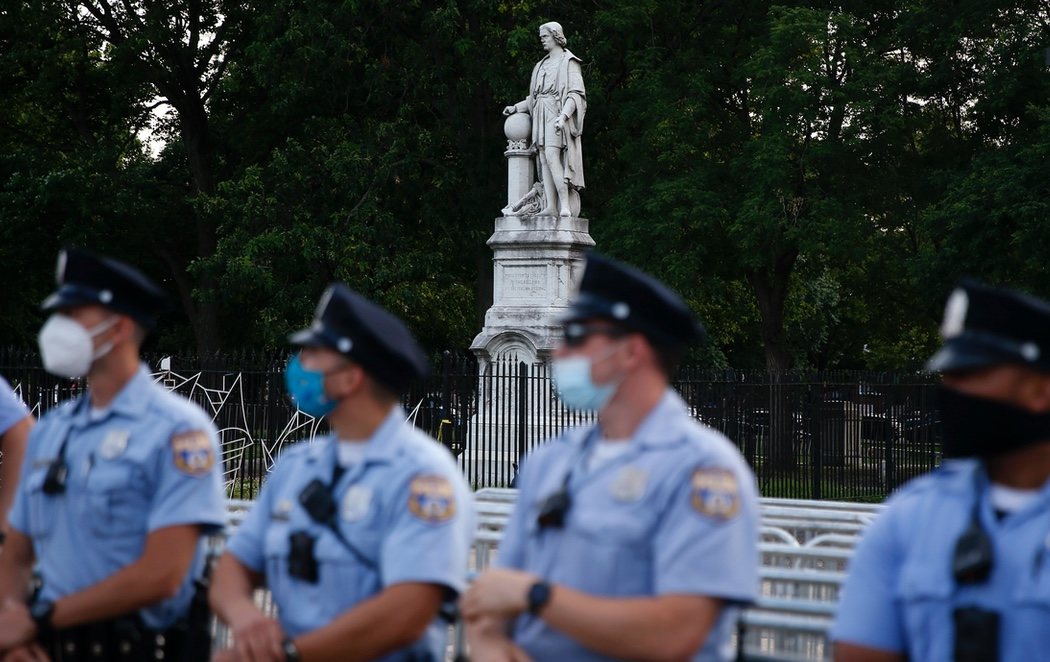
pixel 123 639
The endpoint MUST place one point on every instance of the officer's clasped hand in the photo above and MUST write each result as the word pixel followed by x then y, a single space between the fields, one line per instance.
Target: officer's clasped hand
pixel 498 592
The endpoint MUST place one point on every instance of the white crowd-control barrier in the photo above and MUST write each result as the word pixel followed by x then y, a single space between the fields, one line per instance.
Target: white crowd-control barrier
pixel 805 550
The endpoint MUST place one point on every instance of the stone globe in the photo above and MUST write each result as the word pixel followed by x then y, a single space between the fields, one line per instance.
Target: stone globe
pixel 518 126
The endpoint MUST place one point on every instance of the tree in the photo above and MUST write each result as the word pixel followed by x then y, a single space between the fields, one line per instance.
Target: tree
pixel 67 146
pixel 179 51
pixel 811 177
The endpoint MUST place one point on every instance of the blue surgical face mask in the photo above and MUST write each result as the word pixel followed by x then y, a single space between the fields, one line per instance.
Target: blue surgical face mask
pixel 307 389
pixel 572 378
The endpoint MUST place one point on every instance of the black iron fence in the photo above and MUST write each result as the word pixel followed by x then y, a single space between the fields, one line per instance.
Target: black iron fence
pixel 838 435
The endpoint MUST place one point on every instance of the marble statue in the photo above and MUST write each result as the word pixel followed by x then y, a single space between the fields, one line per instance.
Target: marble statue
pixel 530 204
pixel 557 103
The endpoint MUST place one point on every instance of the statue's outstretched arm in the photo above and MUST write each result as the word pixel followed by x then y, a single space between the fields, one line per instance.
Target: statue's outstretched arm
pixel 520 107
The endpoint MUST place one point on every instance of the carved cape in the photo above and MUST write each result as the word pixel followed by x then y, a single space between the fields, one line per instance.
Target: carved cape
pixel 570 84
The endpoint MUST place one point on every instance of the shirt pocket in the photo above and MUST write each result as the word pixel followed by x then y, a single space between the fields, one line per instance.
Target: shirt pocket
pixel 356 573
pixel 283 587
pixel 117 504
pixel 925 598
pixel 609 552
pixel 1026 631
pixel 342 580
pixel 41 506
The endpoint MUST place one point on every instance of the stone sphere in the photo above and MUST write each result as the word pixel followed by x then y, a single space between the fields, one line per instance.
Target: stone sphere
pixel 518 126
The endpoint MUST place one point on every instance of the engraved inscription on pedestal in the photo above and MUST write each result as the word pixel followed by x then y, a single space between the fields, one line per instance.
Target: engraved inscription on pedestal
pixel 525 282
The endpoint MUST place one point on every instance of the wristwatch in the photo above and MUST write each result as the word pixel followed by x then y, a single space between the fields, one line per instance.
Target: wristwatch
pixel 41 612
pixel 291 652
pixel 539 595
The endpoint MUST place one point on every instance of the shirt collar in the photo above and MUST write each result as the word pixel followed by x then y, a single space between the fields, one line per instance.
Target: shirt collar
pixel 658 428
pixel 383 446
pixel 386 440
pixel 960 476
pixel 130 400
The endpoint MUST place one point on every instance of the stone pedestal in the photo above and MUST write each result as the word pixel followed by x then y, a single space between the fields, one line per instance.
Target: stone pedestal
pixel 538 262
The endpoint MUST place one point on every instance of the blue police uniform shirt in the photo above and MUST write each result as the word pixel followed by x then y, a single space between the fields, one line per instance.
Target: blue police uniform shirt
pixel 900 592
pixel 150 461
pixel 12 409
pixel 676 513
pixel 405 507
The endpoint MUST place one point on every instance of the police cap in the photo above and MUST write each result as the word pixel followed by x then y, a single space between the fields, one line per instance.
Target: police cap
pixel 634 300
pixel 985 326
pixel 85 278
pixel 367 334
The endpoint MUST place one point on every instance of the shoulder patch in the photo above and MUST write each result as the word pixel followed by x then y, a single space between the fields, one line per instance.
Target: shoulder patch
pixel 432 498
pixel 192 452
pixel 715 493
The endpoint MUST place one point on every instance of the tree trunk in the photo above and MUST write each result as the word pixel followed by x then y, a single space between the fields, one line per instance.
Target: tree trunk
pixel 204 315
pixel 771 289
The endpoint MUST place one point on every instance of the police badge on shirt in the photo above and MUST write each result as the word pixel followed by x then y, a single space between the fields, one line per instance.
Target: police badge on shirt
pixel 629 484
pixel 192 453
pixel 114 445
pixel 432 499
pixel 715 493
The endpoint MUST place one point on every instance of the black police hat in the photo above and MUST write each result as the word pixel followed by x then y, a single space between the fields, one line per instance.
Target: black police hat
pixel 634 300
pixel 352 325
pixel 85 278
pixel 986 326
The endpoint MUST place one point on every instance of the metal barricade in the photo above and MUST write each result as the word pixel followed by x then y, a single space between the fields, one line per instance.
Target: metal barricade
pixel 805 550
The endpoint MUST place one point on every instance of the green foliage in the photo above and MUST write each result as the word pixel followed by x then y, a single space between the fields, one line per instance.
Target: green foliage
pixel 811 176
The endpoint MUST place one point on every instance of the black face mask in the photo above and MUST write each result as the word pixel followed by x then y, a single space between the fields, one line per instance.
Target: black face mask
pixel 979 427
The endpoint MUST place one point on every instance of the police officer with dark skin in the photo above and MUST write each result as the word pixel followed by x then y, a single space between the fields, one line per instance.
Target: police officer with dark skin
pixel 955 568
pixel 360 536
pixel 635 538
pixel 118 486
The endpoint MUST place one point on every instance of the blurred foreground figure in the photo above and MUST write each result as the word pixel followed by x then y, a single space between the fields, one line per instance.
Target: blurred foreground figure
pixel 362 536
pixel 117 490
pixel 637 537
pixel 955 568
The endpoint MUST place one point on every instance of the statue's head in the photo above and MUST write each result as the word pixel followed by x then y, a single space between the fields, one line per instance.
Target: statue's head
pixel 555 31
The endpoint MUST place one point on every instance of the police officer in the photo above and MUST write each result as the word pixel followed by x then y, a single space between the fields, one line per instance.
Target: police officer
pixel 15 423
pixel 363 535
pixel 634 538
pixel 956 567
pixel 118 487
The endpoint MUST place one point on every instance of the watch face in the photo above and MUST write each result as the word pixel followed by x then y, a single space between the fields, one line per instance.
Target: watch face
pixel 41 610
pixel 539 595
pixel 291 653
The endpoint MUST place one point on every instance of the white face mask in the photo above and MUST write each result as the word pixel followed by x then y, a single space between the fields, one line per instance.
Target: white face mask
pixel 67 348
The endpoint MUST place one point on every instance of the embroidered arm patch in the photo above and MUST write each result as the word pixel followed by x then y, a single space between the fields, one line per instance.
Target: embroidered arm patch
pixel 715 493
pixel 432 499
pixel 192 453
